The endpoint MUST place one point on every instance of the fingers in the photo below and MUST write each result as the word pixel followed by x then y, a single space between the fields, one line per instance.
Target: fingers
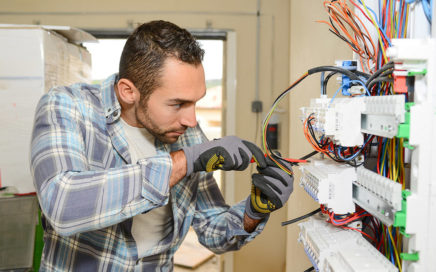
pixel 266 185
pixel 277 174
pixel 257 154
pixel 258 202
pixel 213 159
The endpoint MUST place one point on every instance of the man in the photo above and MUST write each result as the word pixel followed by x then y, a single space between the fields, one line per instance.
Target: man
pixel 120 168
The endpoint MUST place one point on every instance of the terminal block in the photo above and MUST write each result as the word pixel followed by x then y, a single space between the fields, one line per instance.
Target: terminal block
pixel 383 114
pixel 378 195
pixel 330 184
pixel 338 119
pixel 333 249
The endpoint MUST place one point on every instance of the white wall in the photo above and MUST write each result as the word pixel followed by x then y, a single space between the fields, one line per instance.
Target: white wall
pixel 311 45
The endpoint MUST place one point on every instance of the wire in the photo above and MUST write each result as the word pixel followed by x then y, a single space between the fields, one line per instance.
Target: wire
pixel 344 24
pixel 395 249
pixel 387 66
pixel 292 221
pixel 309 155
pixel 267 150
pixel 309 269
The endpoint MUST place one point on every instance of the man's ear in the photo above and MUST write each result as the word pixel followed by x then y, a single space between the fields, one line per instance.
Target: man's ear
pixel 127 91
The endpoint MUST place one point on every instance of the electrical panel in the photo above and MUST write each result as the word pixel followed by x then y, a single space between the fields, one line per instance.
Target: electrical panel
pixel 375 180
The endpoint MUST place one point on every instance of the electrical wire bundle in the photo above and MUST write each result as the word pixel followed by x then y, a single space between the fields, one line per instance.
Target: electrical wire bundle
pixel 337 153
pixel 346 25
pixel 342 155
pixel 391 22
pixel 378 234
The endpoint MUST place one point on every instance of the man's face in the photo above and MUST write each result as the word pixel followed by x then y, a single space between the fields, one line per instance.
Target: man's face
pixel 170 109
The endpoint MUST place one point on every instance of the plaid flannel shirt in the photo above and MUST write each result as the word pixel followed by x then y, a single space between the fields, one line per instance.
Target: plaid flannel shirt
pixel 89 190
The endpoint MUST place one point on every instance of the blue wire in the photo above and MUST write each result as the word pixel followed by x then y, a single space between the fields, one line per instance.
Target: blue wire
pixel 404 22
pixel 390 246
pixel 385 144
pixel 322 81
pixel 427 6
pixel 337 91
pixel 378 24
pixel 362 84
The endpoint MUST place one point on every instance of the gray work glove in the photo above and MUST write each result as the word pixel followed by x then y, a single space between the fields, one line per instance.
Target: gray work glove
pixel 227 153
pixel 270 190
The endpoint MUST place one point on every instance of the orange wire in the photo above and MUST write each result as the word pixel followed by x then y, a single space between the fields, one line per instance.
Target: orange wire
pixel 345 18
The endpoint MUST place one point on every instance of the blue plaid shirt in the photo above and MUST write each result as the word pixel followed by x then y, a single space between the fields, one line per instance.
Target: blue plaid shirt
pixel 89 190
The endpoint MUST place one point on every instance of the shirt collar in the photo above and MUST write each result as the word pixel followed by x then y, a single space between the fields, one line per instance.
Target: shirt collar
pixel 112 108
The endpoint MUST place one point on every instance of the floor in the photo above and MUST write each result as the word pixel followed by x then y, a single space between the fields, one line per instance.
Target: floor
pixel 211 265
pixel 193 257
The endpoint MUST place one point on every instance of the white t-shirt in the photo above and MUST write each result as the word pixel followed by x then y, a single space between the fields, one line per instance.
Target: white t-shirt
pixel 148 229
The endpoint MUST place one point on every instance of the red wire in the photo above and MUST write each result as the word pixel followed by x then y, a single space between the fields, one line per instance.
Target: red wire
pixel 366 234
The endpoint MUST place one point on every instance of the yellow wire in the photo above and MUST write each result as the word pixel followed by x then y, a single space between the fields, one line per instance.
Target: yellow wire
pixel 402 165
pixel 407 21
pixel 265 149
pixel 378 31
pixel 383 160
pixel 395 249
pixel 390 159
pixel 393 171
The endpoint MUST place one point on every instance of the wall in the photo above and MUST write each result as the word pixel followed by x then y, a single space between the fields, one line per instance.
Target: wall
pixel 311 45
pixel 267 252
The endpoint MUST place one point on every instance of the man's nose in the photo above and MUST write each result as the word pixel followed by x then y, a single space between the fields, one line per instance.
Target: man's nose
pixel 189 119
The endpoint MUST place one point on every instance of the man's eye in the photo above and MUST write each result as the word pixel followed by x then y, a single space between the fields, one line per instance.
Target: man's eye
pixel 177 106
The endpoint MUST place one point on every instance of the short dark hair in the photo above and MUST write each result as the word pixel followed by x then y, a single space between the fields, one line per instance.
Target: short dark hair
pixel 149 46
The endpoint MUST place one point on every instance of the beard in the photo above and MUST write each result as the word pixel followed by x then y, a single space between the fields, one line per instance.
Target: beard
pixel 165 135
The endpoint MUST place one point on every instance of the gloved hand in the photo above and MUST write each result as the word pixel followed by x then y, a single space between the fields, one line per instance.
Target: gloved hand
pixel 270 190
pixel 227 153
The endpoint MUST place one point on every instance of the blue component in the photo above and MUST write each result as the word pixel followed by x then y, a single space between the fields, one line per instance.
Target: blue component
pixel 346 81
pixel 309 255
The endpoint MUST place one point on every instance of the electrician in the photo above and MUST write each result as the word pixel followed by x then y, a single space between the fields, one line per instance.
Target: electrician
pixel 120 168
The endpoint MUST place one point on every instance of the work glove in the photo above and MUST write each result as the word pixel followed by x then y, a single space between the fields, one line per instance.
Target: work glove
pixel 270 189
pixel 227 153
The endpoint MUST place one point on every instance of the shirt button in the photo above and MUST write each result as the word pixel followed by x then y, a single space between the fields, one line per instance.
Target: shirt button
pixel 115 113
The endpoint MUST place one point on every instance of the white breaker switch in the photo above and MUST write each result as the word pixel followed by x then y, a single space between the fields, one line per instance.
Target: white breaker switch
pixel 330 184
pixel 335 249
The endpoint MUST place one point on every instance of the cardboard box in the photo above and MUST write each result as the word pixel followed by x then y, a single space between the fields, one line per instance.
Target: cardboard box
pixel 33 59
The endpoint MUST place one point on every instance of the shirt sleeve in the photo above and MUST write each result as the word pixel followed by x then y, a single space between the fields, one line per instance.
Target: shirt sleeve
pixel 75 198
pixel 219 226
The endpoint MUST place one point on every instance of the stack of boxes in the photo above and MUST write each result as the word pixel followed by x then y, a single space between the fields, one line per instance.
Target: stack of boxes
pixel 33 59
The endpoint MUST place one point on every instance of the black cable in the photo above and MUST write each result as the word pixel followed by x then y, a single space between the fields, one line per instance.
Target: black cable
pixel 378 80
pixel 309 269
pixel 362 74
pixel 322 82
pixel 387 73
pixel 326 80
pixel 319 69
pixel 309 155
pixel 292 221
pixel 335 69
pixel 387 66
